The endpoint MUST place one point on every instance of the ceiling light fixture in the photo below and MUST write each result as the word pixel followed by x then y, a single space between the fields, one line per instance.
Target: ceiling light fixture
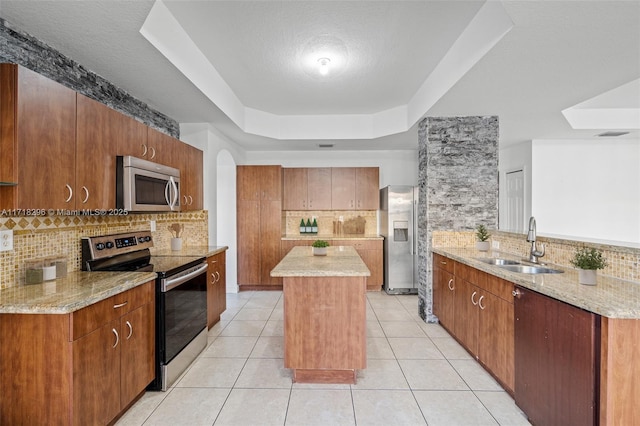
pixel 323 66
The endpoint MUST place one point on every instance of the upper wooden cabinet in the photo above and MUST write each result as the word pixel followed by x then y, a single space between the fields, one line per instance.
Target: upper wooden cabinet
pixel 161 148
pixel 97 128
pixel 190 164
pixel 307 188
pixel 39 134
pixel 255 183
pixel 355 188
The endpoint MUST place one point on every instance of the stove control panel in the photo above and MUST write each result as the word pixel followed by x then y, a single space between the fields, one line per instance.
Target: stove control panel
pixel 111 245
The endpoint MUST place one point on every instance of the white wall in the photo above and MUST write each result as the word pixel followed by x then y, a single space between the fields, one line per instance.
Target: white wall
pixel 396 167
pixel 588 189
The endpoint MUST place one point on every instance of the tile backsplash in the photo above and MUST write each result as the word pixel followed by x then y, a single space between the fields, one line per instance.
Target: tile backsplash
pixel 325 219
pixel 623 262
pixel 45 236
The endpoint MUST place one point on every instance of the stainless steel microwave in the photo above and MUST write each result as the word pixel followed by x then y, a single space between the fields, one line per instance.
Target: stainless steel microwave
pixel 145 186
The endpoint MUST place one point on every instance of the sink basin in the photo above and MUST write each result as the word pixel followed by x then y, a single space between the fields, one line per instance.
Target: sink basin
pixel 525 269
pixel 497 261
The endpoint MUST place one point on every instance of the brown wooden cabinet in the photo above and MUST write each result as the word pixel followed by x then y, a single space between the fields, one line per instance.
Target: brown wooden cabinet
pixel 557 360
pixel 259 223
pixel 444 287
pixel 160 148
pixel 355 188
pixel 216 288
pixel 38 140
pixel 306 188
pixel 79 368
pixel 477 309
pixel 97 136
pixel 189 161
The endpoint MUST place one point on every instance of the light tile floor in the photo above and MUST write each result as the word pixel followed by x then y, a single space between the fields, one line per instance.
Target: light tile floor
pixel 417 374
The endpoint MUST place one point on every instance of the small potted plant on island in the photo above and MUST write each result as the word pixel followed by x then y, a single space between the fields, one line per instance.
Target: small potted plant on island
pixel 320 247
pixel 588 260
pixel 483 236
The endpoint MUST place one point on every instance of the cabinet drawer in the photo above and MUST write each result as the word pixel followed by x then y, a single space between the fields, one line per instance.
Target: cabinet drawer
pixel 359 244
pixel 499 287
pixel 95 316
pixel 443 263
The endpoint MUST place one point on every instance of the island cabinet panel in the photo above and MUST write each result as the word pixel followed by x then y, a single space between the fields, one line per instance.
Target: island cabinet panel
pixel 619 372
pixel 557 361
pixel 325 327
pixel 306 188
pixel 259 224
pixel 372 255
pixel 57 371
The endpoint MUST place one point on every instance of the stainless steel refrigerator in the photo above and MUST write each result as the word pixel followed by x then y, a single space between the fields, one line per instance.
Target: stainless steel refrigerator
pixel 398 226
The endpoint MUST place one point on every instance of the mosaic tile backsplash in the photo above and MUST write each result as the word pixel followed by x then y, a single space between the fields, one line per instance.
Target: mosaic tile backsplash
pixel 326 218
pixel 623 262
pixel 46 236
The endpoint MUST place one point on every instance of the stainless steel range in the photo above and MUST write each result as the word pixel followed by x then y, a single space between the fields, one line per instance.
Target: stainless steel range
pixel 181 296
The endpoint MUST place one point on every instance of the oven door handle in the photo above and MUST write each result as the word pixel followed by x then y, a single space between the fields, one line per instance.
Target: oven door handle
pixel 175 282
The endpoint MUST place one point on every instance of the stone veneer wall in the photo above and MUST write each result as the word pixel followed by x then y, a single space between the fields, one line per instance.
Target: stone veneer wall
pixel 20 48
pixel 36 237
pixel 458 185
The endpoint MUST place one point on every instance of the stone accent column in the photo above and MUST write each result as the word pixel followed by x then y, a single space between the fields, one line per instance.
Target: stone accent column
pixel 458 184
pixel 20 48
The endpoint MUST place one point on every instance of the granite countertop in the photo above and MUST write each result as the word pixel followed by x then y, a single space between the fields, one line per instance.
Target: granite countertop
pixel 314 237
pixel 342 261
pixel 611 297
pixel 190 251
pixel 65 295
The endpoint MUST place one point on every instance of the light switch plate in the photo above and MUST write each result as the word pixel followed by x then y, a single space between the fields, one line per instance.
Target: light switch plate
pixel 495 245
pixel 6 240
pixel 152 225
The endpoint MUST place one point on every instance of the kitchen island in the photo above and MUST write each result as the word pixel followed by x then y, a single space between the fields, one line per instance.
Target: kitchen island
pixel 324 314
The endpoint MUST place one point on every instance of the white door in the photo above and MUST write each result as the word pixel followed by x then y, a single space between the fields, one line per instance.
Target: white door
pixel 515 202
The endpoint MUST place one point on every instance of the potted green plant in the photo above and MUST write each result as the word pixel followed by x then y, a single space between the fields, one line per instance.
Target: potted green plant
pixel 588 260
pixel 482 234
pixel 319 247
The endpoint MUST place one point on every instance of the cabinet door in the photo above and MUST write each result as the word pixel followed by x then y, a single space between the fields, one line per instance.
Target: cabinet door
pixel 444 287
pixel 248 222
pixel 343 188
pixel 248 183
pixel 466 314
pixel 319 188
pixel 271 183
pixel 495 337
pixel 46 128
pixel 96 132
pixel 96 375
pixel 294 183
pixel 216 291
pixel 222 283
pixel 555 361
pixel 137 352
pixel 161 148
pixel 367 188
pixel 132 137
pixel 189 161
pixel 270 234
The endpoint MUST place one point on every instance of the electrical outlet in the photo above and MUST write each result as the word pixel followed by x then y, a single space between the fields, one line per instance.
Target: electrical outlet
pixel 152 225
pixel 6 240
pixel 495 245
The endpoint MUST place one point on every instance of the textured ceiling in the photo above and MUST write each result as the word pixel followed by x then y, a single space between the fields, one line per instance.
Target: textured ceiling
pixel 558 54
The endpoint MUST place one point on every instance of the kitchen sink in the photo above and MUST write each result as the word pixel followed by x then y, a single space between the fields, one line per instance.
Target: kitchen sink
pixel 497 261
pixel 526 269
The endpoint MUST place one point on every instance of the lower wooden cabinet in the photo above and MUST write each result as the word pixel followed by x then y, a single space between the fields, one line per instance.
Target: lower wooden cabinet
pixel 80 368
pixel 216 288
pixel 557 359
pixel 477 309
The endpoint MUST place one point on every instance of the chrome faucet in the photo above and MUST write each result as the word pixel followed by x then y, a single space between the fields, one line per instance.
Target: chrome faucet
pixel 531 237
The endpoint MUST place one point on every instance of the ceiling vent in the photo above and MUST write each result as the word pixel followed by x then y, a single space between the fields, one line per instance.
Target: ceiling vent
pixel 612 134
pixel 325 145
